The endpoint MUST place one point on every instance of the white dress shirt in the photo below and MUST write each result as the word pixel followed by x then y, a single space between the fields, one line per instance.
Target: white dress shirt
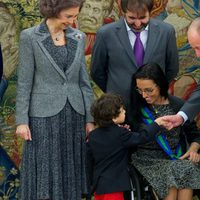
pixel 132 37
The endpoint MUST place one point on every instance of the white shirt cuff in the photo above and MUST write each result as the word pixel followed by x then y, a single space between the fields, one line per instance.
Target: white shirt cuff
pixel 183 115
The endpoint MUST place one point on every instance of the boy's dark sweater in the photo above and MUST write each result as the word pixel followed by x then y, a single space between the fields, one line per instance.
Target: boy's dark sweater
pixel 107 153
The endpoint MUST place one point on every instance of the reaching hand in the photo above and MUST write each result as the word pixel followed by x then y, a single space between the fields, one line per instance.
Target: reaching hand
pixel 89 127
pixel 192 156
pixel 172 121
pixel 192 153
pixel 125 126
pixel 24 132
pixel 161 122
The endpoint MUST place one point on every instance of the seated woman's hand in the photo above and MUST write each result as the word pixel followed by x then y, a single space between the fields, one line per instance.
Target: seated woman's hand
pixel 161 122
pixel 192 156
pixel 24 132
pixel 192 153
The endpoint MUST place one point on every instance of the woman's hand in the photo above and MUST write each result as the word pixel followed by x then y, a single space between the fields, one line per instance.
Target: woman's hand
pixel 160 121
pixel 24 132
pixel 89 127
pixel 192 156
pixel 192 153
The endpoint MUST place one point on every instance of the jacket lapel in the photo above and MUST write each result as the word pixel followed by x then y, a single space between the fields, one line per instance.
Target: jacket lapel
pixel 72 47
pixel 44 34
pixel 124 39
pixel 153 33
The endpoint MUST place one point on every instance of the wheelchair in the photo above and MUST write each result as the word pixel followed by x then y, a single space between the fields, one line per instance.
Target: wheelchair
pixel 140 188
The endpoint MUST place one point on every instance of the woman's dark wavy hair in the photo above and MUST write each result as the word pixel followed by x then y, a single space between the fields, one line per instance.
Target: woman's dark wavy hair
pixel 105 108
pixel 136 5
pixel 149 71
pixel 51 8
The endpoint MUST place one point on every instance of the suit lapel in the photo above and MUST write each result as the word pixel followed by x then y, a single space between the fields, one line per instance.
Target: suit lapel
pixel 44 34
pixel 72 48
pixel 153 33
pixel 124 39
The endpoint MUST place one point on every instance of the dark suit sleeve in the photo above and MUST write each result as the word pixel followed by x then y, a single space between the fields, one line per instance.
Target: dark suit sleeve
pixel 172 64
pixel 191 131
pixel 1 64
pixel 145 134
pixel 192 107
pixel 99 62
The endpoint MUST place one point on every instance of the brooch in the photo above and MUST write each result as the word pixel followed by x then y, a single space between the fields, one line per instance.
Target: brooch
pixel 78 36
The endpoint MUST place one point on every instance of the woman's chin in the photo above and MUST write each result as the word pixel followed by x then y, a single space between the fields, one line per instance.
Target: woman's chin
pixel 149 101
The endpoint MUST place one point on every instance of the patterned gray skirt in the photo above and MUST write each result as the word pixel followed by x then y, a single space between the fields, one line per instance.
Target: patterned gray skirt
pixel 163 173
pixel 53 163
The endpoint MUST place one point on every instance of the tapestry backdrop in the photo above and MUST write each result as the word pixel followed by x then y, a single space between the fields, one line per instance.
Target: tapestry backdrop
pixel 20 14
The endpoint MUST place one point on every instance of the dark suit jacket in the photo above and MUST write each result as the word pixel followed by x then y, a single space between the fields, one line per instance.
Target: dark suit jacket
pixel 189 130
pixel 1 64
pixel 113 62
pixel 192 107
pixel 108 156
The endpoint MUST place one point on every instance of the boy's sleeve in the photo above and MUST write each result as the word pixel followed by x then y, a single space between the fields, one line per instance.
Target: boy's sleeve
pixel 89 166
pixel 145 134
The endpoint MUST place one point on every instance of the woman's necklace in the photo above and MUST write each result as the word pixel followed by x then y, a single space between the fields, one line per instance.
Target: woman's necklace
pixel 58 36
pixel 156 106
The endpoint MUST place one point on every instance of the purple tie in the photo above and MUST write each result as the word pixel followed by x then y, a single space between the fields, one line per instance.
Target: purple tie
pixel 138 50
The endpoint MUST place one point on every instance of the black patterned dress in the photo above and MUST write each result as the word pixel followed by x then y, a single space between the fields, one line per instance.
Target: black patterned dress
pixel 156 166
pixel 53 165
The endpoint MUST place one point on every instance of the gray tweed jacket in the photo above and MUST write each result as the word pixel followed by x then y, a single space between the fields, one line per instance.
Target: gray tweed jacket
pixel 43 87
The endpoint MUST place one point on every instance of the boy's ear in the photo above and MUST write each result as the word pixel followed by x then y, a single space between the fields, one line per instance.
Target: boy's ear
pixel 115 120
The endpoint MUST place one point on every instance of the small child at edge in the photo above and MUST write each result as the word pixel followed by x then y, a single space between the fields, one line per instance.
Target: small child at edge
pixel 108 147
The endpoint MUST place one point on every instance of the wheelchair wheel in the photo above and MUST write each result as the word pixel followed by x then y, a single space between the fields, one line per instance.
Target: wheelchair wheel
pixel 135 184
pixel 141 190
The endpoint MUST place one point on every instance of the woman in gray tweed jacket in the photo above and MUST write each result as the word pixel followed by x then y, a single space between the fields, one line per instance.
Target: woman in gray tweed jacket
pixel 53 105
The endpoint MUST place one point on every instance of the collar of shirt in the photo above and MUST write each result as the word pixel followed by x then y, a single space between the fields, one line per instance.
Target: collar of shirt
pixel 132 37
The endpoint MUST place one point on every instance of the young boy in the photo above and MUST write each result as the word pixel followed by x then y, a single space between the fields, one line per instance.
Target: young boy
pixel 108 147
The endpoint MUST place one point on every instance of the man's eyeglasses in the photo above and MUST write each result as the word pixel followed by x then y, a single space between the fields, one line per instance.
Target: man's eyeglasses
pixel 147 91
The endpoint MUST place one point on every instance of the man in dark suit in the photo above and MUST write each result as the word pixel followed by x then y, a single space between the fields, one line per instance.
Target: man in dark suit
pixel 191 107
pixel 113 58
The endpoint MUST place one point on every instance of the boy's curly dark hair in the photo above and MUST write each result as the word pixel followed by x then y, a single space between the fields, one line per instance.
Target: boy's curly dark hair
pixel 106 108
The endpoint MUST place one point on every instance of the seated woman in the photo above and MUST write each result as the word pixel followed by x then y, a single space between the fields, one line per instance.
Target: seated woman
pixel 170 170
